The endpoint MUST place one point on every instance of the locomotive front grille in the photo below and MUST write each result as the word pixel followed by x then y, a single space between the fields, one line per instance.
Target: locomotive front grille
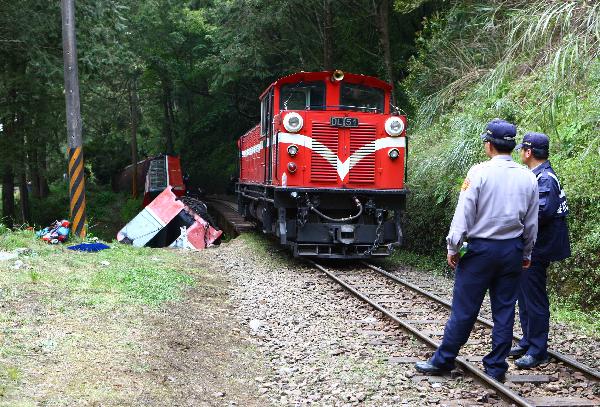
pixel 324 153
pixel 362 154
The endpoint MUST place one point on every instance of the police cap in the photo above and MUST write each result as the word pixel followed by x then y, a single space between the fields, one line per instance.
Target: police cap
pixel 499 129
pixel 537 141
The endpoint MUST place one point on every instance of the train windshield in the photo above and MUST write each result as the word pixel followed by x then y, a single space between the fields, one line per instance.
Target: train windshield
pixel 303 96
pixel 361 98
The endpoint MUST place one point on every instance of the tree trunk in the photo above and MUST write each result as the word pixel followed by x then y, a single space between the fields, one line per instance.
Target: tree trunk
pixel 383 17
pixel 8 196
pixel 167 123
pixel 24 197
pixel 34 172
pixel 42 171
pixel 327 35
pixel 21 168
pixel 8 178
pixel 133 110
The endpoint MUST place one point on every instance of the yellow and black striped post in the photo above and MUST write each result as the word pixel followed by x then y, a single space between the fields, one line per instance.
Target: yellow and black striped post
pixel 77 191
pixel 74 139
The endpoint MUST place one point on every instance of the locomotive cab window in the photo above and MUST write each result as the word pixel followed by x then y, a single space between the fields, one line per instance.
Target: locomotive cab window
pixel 361 98
pixel 303 96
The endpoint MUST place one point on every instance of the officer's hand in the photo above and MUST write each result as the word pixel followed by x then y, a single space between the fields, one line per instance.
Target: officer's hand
pixel 526 263
pixel 453 260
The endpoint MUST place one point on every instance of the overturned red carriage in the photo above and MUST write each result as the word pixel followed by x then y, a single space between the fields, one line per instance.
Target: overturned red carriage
pixel 325 168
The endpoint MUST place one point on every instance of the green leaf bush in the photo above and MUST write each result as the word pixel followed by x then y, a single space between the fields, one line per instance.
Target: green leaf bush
pixel 534 63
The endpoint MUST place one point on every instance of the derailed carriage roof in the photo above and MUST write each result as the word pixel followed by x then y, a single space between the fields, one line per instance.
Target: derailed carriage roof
pixel 326 75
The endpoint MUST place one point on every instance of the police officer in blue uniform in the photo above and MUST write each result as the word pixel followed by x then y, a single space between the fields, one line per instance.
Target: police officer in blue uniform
pixel 552 245
pixel 497 214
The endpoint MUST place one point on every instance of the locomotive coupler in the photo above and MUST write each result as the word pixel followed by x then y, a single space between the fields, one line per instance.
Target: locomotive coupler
pixel 345 234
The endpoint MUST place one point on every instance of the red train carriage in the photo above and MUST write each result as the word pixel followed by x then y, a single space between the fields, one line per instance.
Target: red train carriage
pixel 325 168
pixel 154 174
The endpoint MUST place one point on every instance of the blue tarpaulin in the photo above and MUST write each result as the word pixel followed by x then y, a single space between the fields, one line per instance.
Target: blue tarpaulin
pixel 89 247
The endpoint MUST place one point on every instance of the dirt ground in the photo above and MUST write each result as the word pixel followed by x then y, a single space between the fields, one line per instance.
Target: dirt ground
pixel 55 351
pixel 195 351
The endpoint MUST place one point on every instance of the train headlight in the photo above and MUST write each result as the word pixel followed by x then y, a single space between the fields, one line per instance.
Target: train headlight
pixel 292 150
pixel 394 153
pixel 293 122
pixel 292 167
pixel 394 126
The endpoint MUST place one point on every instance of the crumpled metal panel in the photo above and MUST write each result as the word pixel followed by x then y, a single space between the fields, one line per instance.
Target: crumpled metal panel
pixel 158 214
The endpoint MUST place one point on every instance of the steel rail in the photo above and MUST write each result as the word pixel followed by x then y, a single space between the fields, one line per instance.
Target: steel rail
pixel 229 204
pixel 508 393
pixel 590 372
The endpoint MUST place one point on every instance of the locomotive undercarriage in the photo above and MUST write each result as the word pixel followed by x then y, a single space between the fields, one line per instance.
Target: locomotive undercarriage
pixel 327 223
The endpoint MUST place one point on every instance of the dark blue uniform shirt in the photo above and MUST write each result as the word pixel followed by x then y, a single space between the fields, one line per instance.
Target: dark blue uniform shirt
pixel 553 236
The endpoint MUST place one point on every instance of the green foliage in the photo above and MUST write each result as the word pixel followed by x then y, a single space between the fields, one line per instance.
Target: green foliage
pixel 130 209
pixel 103 208
pixel 522 64
pixel 35 276
pixel 121 274
pixel 141 282
pixel 563 311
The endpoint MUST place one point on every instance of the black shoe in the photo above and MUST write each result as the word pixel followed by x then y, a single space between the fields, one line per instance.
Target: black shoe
pixel 428 368
pixel 517 351
pixel 501 378
pixel 529 362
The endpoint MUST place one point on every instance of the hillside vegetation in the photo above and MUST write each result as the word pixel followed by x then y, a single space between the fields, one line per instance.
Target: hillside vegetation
pixel 535 64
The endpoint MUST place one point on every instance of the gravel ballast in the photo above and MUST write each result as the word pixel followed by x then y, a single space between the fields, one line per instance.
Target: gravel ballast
pixel 562 338
pixel 323 346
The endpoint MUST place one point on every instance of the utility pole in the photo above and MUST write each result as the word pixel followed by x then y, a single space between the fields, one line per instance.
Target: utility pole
pixel 74 140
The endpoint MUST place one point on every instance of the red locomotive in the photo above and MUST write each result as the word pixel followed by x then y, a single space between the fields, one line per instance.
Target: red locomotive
pixel 325 168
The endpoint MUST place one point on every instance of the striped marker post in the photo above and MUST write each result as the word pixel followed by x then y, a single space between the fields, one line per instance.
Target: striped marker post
pixel 74 139
pixel 77 191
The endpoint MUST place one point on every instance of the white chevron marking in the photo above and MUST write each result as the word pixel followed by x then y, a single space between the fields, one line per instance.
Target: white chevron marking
pixel 343 168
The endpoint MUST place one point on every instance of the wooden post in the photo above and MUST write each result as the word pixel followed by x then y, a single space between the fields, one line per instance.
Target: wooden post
pixel 74 139
pixel 133 109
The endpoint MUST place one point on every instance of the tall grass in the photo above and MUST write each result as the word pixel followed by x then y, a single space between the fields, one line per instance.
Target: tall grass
pixel 535 63
pixel 493 41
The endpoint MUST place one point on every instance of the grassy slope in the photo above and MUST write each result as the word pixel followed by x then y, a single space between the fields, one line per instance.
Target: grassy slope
pixel 86 295
pixel 462 78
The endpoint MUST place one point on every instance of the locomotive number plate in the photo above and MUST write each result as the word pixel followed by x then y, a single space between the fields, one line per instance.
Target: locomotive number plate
pixel 344 121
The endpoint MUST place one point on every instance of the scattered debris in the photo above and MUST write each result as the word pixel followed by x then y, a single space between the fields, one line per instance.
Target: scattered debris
pixel 169 221
pixel 56 233
pixel 256 324
pixel 182 241
pixel 8 256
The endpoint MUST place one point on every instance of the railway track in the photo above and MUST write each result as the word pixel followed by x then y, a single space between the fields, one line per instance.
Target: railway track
pixel 227 217
pixel 563 382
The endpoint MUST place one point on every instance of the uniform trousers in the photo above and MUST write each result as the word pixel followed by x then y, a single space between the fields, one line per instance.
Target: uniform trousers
pixel 534 309
pixel 488 264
